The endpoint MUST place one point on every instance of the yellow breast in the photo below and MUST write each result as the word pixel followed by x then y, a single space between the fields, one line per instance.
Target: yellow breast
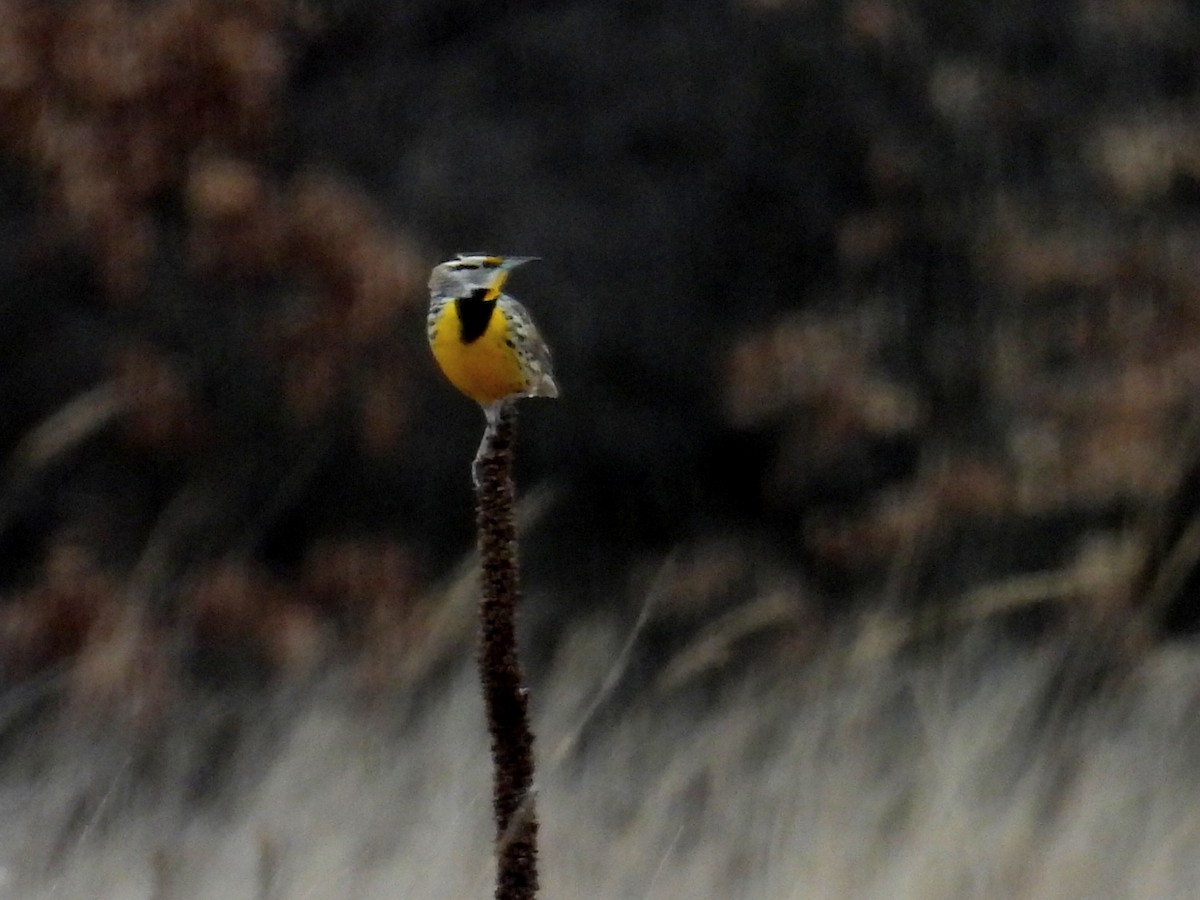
pixel 487 369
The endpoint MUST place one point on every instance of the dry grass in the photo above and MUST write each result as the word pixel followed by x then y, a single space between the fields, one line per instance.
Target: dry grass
pixel 980 770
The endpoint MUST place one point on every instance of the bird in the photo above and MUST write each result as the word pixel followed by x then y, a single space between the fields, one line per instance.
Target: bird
pixel 484 340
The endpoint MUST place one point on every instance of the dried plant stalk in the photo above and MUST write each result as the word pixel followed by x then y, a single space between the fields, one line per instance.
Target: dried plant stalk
pixel 505 696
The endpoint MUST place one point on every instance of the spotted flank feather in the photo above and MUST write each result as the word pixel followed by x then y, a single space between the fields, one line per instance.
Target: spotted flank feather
pixel 532 352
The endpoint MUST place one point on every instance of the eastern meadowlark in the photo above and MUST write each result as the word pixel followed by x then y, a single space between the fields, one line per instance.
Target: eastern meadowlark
pixel 483 339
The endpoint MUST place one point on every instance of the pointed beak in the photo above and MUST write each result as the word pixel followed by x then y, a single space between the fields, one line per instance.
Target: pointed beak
pixel 511 262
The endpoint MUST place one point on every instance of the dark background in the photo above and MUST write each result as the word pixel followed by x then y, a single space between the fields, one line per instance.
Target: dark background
pixel 882 302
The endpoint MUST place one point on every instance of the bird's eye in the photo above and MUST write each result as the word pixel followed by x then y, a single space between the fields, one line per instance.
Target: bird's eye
pixel 462 266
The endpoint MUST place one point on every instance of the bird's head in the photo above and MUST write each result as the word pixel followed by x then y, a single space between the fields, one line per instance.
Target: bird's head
pixel 469 273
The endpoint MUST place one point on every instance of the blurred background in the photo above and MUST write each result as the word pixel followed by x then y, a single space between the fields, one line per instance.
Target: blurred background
pixel 877 324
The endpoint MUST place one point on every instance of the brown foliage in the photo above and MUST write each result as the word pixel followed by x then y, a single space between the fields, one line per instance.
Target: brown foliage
pixel 108 100
pixel 119 105
pixel 141 119
pixel 49 623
